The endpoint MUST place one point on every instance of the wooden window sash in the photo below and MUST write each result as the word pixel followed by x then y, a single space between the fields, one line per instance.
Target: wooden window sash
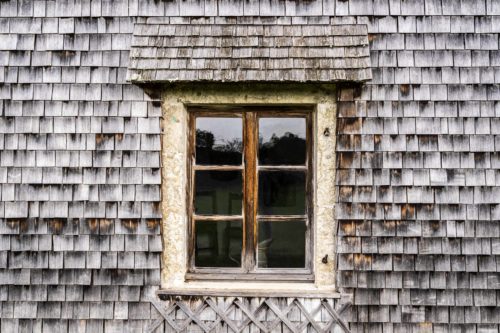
pixel 250 218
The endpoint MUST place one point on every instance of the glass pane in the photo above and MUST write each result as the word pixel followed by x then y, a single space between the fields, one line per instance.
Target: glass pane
pixel 218 192
pixel 282 141
pixel 282 244
pixel 282 192
pixel 218 244
pixel 218 141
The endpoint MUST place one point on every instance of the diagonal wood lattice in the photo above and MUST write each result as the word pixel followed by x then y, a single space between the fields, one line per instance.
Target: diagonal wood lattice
pixel 206 314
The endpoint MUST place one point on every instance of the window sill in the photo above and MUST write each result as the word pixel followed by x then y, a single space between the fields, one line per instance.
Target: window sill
pixel 250 289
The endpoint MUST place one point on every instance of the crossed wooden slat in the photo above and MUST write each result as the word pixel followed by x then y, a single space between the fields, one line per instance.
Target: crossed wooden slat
pixel 310 318
pixel 193 316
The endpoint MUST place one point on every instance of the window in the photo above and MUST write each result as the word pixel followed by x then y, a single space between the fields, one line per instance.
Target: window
pixel 250 193
pixel 225 263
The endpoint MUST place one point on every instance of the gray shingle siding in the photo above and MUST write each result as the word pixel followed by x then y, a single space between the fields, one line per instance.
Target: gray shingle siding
pixel 80 246
pixel 418 168
pixel 418 160
pixel 248 49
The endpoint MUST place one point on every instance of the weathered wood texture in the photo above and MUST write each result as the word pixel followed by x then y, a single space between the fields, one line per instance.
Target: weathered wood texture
pixel 240 50
pixel 418 173
pixel 418 148
pixel 248 314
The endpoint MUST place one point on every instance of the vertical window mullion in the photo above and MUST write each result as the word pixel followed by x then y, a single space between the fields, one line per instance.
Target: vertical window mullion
pixel 250 185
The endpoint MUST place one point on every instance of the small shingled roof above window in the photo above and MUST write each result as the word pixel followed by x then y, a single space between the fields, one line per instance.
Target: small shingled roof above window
pixel 198 50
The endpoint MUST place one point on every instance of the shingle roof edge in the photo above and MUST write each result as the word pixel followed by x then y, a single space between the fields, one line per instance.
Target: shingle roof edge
pixel 163 52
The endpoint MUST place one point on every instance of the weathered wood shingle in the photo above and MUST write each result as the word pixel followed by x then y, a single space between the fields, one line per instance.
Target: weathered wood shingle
pixel 232 51
pixel 417 151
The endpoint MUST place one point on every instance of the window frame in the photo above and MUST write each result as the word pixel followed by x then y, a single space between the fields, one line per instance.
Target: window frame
pixel 250 115
pixel 176 98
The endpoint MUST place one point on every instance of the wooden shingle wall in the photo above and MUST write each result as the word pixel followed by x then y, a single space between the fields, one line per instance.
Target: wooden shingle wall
pixel 79 171
pixel 418 159
pixel 418 170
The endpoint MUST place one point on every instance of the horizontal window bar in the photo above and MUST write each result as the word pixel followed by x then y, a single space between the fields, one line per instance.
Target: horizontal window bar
pixel 279 218
pixel 218 167
pixel 217 217
pixel 282 168
pixel 291 271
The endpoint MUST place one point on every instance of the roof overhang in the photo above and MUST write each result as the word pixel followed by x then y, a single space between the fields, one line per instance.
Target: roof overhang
pixel 200 50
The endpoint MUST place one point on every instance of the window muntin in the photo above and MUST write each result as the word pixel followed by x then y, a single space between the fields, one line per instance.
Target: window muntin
pixel 250 214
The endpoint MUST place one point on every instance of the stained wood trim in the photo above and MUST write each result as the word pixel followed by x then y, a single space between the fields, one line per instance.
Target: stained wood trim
pixel 250 190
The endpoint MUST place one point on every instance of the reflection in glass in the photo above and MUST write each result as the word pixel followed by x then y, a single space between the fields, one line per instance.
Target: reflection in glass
pixel 282 141
pixel 281 244
pixel 218 244
pixel 282 192
pixel 218 141
pixel 218 192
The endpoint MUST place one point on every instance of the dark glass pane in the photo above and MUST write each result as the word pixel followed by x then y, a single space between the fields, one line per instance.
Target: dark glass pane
pixel 218 192
pixel 218 244
pixel 282 141
pixel 282 244
pixel 218 141
pixel 282 192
